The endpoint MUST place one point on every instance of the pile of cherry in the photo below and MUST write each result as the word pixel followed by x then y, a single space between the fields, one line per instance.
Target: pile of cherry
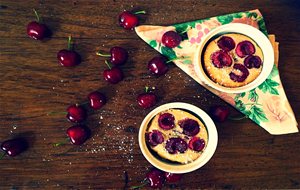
pixel 79 133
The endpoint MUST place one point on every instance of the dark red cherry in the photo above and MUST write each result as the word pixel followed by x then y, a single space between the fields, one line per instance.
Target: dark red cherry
pixel 176 144
pixel 172 178
pixel 252 61
pixel 129 20
pixel 146 100
pixel 13 147
pixel 226 43
pixel 113 75
pixel 166 121
pixel 76 113
pixel 158 66
pixel 221 59
pixel 68 57
pixel 196 144
pixel 245 48
pixel 97 100
pixel 118 55
pixel 154 138
pixel 240 74
pixel 37 30
pixel 219 113
pixel 171 39
pixel 78 134
pixel 190 127
pixel 155 178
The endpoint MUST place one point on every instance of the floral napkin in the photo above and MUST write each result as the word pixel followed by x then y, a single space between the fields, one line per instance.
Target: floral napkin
pixel 266 105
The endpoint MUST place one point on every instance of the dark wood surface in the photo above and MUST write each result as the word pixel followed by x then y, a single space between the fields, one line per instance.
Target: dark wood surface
pixel 33 84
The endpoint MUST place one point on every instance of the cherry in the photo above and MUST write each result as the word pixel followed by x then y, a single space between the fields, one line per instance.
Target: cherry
pixel 252 61
pixel 172 178
pixel 176 144
pixel 155 178
pixel 190 127
pixel 166 121
pixel 221 59
pixel 154 138
pixel 245 48
pixel 219 113
pixel 78 134
pixel 226 43
pixel 171 39
pixel 129 20
pixel 36 29
pixel 241 75
pixel 147 99
pixel 112 75
pixel 68 57
pixel 118 55
pixel 13 147
pixel 97 100
pixel 76 113
pixel 196 144
pixel 158 66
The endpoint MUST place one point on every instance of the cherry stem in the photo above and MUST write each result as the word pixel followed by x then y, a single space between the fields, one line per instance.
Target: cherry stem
pixel 178 58
pixel 57 113
pixel 2 155
pixel 37 15
pixel 70 45
pixel 139 186
pixel 146 89
pixel 61 143
pixel 139 12
pixel 102 55
pixel 237 118
pixel 108 64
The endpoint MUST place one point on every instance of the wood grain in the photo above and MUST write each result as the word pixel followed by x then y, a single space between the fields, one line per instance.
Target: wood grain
pixel 33 84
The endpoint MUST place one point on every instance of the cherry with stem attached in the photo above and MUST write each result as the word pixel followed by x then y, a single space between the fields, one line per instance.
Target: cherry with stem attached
pixel 147 99
pixel 112 75
pixel 13 147
pixel 129 20
pixel 37 29
pixel 77 135
pixel 154 179
pixel 118 55
pixel 221 113
pixel 68 57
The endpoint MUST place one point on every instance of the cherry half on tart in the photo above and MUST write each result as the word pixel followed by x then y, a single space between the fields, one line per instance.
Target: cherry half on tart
pixel 166 121
pixel 221 59
pixel 226 43
pixel 190 127
pixel 240 74
pixel 196 144
pixel 244 48
pixel 252 61
pixel 175 145
pixel 154 138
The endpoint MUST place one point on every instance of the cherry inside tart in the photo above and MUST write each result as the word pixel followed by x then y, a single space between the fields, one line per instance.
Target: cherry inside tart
pixel 177 135
pixel 232 60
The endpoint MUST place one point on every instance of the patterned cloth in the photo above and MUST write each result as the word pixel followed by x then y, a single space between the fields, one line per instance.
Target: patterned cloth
pixel 266 105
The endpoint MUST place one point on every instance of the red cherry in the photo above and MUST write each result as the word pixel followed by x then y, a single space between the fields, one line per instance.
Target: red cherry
pixel 155 178
pixel 97 100
pixel 78 134
pixel 118 55
pixel 129 20
pixel 76 113
pixel 196 144
pixel 219 113
pixel 37 30
pixel 172 178
pixel 157 66
pixel 68 58
pixel 112 75
pixel 171 39
pixel 13 147
pixel 147 99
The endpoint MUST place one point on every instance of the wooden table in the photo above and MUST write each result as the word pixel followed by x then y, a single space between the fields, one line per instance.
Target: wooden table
pixel 33 85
